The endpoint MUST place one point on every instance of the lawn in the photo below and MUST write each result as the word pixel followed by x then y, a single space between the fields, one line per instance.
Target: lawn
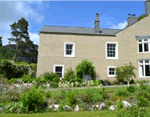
pixel 103 113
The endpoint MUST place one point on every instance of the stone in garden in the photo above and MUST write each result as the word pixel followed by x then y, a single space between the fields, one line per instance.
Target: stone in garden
pixel 102 106
pixel 76 108
pixel 112 107
pixel 126 104
pixel 54 107
pixel 16 85
pixel 19 81
pixel 1 110
pixel 67 108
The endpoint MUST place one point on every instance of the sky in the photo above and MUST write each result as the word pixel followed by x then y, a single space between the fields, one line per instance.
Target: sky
pixel 113 14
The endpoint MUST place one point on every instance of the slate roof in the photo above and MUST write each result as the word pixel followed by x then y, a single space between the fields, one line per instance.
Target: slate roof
pixel 78 30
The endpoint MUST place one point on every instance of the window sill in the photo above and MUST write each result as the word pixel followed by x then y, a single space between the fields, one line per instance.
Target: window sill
pixel 111 58
pixel 143 52
pixel 69 56
pixel 112 76
pixel 144 77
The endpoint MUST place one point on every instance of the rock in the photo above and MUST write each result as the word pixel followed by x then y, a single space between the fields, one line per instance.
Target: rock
pixel 19 81
pixel 76 108
pixel 67 108
pixel 126 104
pixel 102 106
pixel 16 85
pixel 28 85
pixel 54 107
pixel 112 107
pixel 1 110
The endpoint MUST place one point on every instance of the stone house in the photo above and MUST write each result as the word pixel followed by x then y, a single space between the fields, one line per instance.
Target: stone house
pixel 64 47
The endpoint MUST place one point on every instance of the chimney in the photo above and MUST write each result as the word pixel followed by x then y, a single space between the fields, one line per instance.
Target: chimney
pixel 131 19
pixel 97 24
pixel 147 7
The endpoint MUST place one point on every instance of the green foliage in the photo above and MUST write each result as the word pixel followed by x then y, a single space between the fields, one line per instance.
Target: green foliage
pixel 125 73
pixel 122 93
pixel 120 105
pixel 141 17
pixel 10 96
pixel 48 94
pixel 85 67
pixel 76 80
pixel 27 79
pixel 69 75
pixel 133 111
pixel 33 100
pixel 13 80
pixel 142 101
pixel 40 80
pixel 51 77
pixel 96 94
pixel 115 98
pixel 68 97
pixel 131 89
pixel 14 70
pixel 53 84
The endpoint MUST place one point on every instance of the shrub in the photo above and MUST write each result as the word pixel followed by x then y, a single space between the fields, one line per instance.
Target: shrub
pixel 13 80
pixel 51 77
pixel 122 93
pixel 95 93
pixel 115 98
pixel 53 84
pixel 11 96
pixel 76 80
pixel 27 78
pixel 85 67
pixel 131 89
pixel 133 111
pixel 125 73
pixel 69 75
pixel 48 94
pixel 120 105
pixel 142 101
pixel 40 80
pixel 33 100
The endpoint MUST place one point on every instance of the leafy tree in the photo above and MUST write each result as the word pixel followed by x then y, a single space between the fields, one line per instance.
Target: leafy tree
pixel 0 41
pixel 24 47
pixel 125 72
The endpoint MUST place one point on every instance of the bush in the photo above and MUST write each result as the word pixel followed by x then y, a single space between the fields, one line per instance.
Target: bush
pixel 142 101
pixel 96 94
pixel 33 100
pixel 40 80
pixel 115 98
pixel 131 89
pixel 13 80
pixel 48 94
pixel 53 84
pixel 10 96
pixel 51 77
pixel 122 93
pixel 120 105
pixel 125 73
pixel 76 80
pixel 133 111
pixel 69 75
pixel 85 67
pixel 27 78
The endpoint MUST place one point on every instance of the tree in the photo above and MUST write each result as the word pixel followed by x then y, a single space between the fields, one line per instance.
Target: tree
pixel 125 72
pixel 24 47
pixel 0 41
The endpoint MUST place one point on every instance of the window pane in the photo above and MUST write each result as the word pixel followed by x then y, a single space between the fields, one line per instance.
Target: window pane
pixel 111 50
pixel 141 61
pixel 58 69
pixel 146 61
pixel 141 70
pixel 68 52
pixel 140 40
pixel 140 48
pixel 145 39
pixel 67 46
pixel 145 47
pixel 111 71
pixel 147 70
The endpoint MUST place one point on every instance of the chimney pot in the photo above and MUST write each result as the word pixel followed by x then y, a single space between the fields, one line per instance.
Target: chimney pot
pixel 97 24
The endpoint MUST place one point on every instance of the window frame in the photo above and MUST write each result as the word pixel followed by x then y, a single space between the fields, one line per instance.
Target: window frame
pixel 143 64
pixel 58 65
pixel 108 75
pixel 142 42
pixel 73 49
pixel 116 50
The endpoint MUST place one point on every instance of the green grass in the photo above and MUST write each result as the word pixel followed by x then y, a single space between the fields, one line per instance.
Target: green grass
pixel 103 113
pixel 65 114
